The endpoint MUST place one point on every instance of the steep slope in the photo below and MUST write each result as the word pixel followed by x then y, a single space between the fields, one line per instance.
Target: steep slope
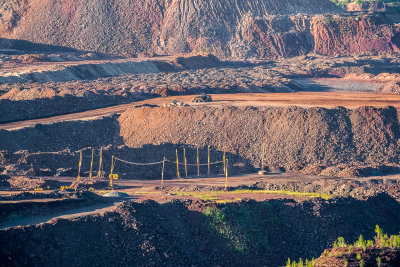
pixel 192 233
pixel 169 27
pixel 294 138
pixel 105 26
pixel 209 25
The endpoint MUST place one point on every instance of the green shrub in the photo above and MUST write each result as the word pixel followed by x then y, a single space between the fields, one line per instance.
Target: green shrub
pixel 350 248
pixel 340 243
pixel 379 262
pixel 361 243
pixel 232 223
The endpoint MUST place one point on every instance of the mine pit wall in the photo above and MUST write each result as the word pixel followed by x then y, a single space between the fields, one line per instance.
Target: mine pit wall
pixel 83 72
pixel 293 137
pixel 184 233
pixel 336 35
pixel 332 142
pixel 261 29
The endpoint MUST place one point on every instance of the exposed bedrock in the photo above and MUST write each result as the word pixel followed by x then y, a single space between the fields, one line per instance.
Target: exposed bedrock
pixel 228 28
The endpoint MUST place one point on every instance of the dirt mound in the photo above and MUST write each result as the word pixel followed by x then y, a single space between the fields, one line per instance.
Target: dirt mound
pixel 55 137
pixel 29 183
pixel 18 70
pixel 194 233
pixel 366 6
pixel 391 88
pixel 199 62
pixel 292 136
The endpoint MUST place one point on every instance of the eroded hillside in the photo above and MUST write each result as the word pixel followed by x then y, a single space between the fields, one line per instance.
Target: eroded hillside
pixel 257 28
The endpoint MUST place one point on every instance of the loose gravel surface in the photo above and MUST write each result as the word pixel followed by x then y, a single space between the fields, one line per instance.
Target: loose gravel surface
pixel 33 100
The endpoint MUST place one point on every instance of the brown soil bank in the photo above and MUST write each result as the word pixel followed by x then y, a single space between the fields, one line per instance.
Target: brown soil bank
pixel 254 28
pixel 331 142
pixel 193 233
pixel 293 137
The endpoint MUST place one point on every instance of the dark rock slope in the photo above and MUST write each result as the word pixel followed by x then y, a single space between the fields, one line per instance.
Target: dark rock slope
pixel 198 234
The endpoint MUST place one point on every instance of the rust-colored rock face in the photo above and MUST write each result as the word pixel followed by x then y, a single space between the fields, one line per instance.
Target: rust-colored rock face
pixel 334 35
pixel 226 28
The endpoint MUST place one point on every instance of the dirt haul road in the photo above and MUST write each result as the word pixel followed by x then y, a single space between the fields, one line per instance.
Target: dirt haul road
pixel 140 190
pixel 304 99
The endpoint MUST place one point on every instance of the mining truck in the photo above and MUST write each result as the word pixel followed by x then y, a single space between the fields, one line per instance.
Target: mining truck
pixel 202 98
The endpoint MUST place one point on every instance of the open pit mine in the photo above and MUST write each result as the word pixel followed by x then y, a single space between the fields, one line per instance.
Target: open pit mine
pixel 200 133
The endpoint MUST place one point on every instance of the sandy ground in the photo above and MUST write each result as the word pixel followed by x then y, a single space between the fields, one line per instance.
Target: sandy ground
pixel 305 99
pixel 333 84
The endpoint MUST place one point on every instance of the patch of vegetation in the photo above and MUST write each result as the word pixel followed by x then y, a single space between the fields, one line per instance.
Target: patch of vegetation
pixel 284 192
pixel 216 194
pixel 340 243
pixel 209 198
pixel 300 263
pixel 381 240
pixel 329 20
pixel 223 201
pixel 200 195
pixel 378 261
pixel 240 227
pixel 341 3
